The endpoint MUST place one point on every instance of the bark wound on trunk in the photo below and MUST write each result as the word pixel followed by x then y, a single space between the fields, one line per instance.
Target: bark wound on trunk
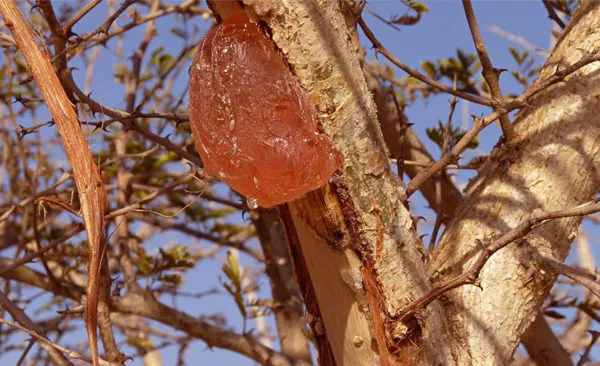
pixel 357 225
pixel 314 317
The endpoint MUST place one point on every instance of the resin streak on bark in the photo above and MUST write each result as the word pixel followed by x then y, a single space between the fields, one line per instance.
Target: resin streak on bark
pixel 252 122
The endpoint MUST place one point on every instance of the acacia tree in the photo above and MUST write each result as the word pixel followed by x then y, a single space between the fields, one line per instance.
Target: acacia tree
pixel 372 290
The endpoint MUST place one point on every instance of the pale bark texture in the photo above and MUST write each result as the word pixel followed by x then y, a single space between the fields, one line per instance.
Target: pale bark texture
pixel 366 203
pixel 552 165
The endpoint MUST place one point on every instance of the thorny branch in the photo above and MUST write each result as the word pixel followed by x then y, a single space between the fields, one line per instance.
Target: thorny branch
pixel 501 108
pixel 416 74
pixel 481 122
pixel 66 46
pixel 144 304
pixel 47 344
pixel 132 118
pixel 30 327
pixel 517 234
pixel 490 73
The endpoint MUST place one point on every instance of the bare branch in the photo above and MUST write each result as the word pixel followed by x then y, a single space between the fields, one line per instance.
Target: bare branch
pixel 416 74
pixel 584 277
pixel 45 343
pixel 490 73
pixel 480 123
pixel 33 329
pixel 80 14
pixel 552 14
pixel 518 233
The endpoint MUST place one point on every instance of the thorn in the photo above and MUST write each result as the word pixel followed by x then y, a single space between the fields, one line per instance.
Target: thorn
pixel 499 71
pixel 104 30
pixel 72 34
pixel 21 134
pixel 477 283
pixel 37 5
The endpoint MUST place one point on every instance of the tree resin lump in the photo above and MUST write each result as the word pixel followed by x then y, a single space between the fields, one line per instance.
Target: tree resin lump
pixel 252 122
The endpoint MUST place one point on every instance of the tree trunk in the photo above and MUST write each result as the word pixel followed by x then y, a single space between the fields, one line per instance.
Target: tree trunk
pixel 359 223
pixel 358 226
pixel 552 165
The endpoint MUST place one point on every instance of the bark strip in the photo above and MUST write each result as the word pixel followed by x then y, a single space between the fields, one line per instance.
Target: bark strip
pixel 85 172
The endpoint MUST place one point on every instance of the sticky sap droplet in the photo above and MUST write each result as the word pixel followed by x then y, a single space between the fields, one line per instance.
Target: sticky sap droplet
pixel 252 204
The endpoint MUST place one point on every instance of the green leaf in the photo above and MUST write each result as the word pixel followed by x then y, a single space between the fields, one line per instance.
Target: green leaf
pixel 233 272
pixel 435 135
pixel 164 61
pixel 164 159
pixel 172 279
pixel 233 264
pixel 119 73
pixel 515 54
pixel 419 7
pixel 429 68
pixel 179 32
pixel 155 54
pixel 465 60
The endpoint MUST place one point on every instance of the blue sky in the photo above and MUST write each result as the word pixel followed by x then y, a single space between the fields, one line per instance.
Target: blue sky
pixel 437 35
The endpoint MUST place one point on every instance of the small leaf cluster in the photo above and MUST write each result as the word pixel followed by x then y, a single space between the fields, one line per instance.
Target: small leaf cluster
pixel 438 133
pixel 416 7
pixel 167 265
pixel 527 68
pixel 465 66
pixel 234 287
